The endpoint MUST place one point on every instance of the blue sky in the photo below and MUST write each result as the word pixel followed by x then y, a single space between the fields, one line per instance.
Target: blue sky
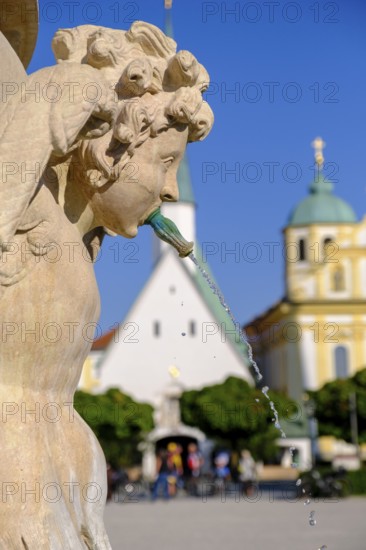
pixel 296 70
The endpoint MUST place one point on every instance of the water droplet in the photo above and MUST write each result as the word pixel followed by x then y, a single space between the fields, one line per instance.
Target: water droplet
pixel 312 520
pixel 298 482
pixel 183 333
pixel 307 502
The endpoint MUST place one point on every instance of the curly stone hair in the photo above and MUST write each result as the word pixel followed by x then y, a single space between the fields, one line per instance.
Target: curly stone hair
pixel 155 88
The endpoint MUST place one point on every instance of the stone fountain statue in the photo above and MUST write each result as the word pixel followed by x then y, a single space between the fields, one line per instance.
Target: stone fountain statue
pixel 89 146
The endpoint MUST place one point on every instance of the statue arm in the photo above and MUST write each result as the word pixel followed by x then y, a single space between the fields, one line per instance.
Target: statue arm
pixel 47 121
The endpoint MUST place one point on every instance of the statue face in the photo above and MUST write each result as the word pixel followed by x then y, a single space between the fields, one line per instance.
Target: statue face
pixel 148 179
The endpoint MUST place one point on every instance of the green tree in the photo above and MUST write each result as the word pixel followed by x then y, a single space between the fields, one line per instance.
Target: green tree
pixel 237 415
pixel 118 422
pixel 332 406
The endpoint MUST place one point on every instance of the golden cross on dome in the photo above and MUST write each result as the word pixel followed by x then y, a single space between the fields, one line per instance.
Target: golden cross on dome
pixel 168 4
pixel 318 145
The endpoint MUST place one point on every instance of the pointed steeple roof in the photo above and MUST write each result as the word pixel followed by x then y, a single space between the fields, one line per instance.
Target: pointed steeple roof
pixel 183 176
pixel 184 182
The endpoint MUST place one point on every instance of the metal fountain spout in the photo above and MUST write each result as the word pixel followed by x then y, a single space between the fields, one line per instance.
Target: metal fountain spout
pixel 167 231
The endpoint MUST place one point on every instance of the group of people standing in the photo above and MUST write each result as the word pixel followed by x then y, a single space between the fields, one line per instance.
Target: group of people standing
pixel 242 471
pixel 173 474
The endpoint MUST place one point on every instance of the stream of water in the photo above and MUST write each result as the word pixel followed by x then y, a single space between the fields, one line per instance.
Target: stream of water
pixel 244 339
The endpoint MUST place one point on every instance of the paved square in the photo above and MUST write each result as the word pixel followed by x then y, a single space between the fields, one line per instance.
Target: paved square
pixel 191 524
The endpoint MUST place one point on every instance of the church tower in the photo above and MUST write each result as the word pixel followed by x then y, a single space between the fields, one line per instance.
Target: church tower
pixel 318 228
pixel 317 332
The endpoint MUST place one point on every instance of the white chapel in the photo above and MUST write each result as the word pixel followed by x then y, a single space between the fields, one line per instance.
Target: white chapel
pixel 175 328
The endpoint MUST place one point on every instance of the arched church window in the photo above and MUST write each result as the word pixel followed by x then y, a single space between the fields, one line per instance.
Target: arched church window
pixel 326 242
pixel 338 279
pixel 341 362
pixel 302 251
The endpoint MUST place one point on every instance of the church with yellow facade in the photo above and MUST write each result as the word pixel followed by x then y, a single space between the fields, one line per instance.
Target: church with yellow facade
pixel 317 332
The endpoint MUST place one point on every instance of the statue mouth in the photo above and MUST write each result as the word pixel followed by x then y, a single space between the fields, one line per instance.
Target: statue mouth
pixel 144 219
pixel 167 231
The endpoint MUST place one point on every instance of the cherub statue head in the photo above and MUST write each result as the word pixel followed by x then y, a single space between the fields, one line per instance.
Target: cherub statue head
pixel 131 169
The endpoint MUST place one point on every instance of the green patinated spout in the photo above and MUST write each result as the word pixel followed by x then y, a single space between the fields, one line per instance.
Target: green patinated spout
pixel 167 231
